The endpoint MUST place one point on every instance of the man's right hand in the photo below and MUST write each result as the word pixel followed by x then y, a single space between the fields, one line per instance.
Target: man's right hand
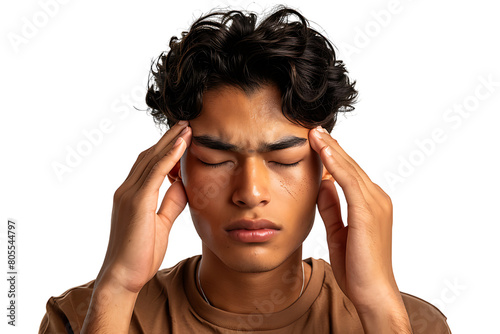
pixel 139 234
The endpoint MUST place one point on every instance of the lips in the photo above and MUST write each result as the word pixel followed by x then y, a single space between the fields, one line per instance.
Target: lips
pixel 252 230
pixel 252 224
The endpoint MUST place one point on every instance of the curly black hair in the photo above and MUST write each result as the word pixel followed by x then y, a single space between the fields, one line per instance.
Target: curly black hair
pixel 228 48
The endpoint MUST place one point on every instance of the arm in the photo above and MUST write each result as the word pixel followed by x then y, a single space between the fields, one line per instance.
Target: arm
pixel 110 310
pixel 360 252
pixel 139 234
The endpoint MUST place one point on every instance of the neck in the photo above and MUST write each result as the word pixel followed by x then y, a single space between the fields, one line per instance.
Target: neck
pixel 246 292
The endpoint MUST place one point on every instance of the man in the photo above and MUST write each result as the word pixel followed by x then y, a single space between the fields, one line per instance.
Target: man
pixel 250 108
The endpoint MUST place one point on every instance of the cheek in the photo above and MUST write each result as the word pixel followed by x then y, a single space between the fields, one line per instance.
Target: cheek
pixel 203 184
pixel 201 188
pixel 302 183
pixel 308 188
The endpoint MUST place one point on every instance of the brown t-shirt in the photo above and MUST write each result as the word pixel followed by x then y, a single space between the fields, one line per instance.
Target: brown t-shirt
pixel 170 303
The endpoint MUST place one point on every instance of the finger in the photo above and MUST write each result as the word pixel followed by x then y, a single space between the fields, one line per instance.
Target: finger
pixel 150 186
pixel 142 161
pixel 161 154
pixel 137 162
pixel 149 189
pixel 179 126
pixel 342 171
pixel 336 146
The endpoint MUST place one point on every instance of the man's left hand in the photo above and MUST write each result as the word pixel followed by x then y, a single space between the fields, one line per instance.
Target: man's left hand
pixel 360 252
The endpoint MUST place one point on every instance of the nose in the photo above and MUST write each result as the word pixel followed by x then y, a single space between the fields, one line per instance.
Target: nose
pixel 252 184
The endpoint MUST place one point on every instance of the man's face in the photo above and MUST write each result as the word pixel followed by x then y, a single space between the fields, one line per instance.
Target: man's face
pixel 250 183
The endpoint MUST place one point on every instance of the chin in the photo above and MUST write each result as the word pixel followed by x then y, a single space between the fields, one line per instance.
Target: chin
pixel 253 258
pixel 254 265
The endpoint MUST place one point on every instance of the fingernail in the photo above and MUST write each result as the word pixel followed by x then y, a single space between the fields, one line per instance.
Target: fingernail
pixel 328 151
pixel 178 141
pixel 321 129
pixel 182 123
pixel 184 130
pixel 316 133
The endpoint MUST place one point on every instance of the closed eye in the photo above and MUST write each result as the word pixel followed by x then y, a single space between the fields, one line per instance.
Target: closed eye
pixel 212 165
pixel 277 163
pixel 287 165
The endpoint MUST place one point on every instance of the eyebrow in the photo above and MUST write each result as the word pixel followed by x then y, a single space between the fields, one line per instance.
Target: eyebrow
pixel 217 144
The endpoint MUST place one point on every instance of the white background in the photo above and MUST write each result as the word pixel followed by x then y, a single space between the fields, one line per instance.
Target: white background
pixel 86 62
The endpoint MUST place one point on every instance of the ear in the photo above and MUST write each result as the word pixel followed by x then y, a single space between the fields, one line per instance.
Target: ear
pixel 175 173
pixel 326 174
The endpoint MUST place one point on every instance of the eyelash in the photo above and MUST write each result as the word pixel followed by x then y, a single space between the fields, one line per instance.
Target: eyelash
pixel 212 165
pixel 279 164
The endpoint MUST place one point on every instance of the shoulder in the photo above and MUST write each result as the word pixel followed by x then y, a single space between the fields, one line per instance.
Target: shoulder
pixel 69 309
pixel 82 293
pixel 75 299
pixel 424 317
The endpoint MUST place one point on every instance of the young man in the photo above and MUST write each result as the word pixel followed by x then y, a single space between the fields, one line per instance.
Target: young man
pixel 250 108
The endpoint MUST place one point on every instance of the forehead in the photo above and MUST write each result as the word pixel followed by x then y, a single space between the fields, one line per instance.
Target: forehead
pixel 244 119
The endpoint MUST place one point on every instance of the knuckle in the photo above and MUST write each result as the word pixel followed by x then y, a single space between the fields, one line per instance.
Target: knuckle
pixel 156 167
pixel 353 181
pixel 117 195
pixel 323 149
pixel 156 151
pixel 386 200
pixel 365 211
pixel 125 198
pixel 146 152
pixel 352 171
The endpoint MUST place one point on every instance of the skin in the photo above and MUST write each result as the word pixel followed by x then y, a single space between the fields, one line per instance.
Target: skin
pixel 249 184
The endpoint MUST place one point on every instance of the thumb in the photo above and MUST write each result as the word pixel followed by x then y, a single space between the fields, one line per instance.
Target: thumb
pixel 336 232
pixel 174 202
pixel 329 206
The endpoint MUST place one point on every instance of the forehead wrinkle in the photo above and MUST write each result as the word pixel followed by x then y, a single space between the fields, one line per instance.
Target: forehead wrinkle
pixel 218 144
